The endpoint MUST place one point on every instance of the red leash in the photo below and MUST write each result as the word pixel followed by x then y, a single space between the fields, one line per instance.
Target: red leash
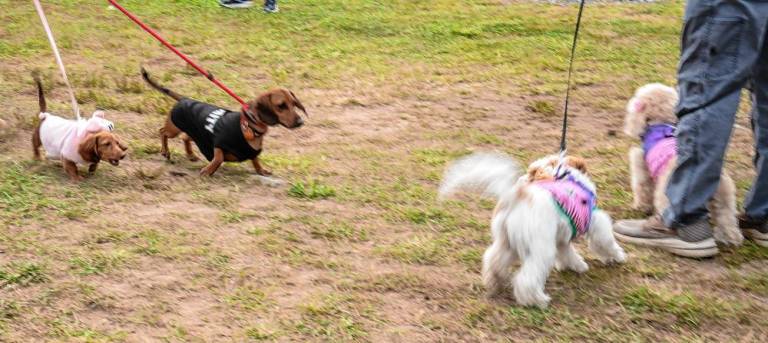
pixel 205 73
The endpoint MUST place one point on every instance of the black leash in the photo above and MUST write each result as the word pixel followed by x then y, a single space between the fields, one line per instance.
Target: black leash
pixel 570 71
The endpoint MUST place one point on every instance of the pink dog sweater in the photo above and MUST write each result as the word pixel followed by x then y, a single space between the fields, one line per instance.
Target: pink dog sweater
pixel 660 147
pixel 62 137
pixel 574 200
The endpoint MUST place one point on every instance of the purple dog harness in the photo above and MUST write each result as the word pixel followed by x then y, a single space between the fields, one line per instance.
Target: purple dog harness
pixel 574 200
pixel 660 147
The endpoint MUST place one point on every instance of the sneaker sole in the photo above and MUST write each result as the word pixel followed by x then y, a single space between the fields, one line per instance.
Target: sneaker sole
pixel 758 237
pixel 237 6
pixel 705 248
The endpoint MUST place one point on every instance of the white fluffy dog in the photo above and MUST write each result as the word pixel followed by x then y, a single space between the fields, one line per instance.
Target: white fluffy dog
pixel 531 224
pixel 651 118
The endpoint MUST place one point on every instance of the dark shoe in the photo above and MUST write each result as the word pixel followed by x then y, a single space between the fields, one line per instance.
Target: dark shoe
pixel 271 7
pixel 236 3
pixel 756 230
pixel 694 240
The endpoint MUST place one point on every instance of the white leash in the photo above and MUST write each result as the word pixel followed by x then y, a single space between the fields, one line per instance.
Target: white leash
pixel 56 54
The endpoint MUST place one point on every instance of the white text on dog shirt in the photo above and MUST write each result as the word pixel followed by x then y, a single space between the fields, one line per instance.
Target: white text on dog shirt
pixel 213 117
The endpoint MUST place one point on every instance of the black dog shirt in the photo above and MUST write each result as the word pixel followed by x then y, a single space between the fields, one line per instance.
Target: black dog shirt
pixel 212 127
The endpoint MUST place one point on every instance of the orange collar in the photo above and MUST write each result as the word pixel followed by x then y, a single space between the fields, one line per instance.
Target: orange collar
pixel 250 129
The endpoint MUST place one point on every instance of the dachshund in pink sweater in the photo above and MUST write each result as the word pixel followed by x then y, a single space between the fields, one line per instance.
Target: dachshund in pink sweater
pixel 76 142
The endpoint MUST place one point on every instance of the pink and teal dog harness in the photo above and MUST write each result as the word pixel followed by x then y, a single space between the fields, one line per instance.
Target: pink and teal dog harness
pixel 574 199
pixel 660 147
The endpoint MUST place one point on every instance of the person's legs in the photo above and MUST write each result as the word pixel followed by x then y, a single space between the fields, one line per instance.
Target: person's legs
pixel 720 45
pixel 756 204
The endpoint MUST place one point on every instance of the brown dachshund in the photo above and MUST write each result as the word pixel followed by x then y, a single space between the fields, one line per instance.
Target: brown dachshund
pixel 224 135
pixel 76 141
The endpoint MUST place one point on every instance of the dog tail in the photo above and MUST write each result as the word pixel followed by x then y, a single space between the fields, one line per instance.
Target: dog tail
pixel 155 85
pixel 493 173
pixel 40 95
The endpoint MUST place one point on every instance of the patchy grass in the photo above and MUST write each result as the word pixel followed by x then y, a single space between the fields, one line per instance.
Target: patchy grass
pixel 679 309
pixel 312 189
pixel 331 318
pixel 23 196
pixel 22 274
pixel 247 298
pixel 98 262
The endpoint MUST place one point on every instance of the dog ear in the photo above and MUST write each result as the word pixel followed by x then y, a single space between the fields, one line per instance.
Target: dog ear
pixel 298 103
pixel 537 174
pixel 88 148
pixel 120 143
pixel 577 163
pixel 265 109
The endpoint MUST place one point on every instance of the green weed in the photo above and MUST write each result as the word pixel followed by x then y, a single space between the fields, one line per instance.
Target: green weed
pixel 312 189
pixel 22 273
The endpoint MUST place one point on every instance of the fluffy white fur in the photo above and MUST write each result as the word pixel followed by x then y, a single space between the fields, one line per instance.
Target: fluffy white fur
pixel 526 226
pixel 654 104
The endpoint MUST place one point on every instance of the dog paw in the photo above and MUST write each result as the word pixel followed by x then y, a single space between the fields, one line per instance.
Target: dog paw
pixel 166 154
pixel 730 237
pixel 580 267
pixel 642 207
pixel 619 257
pixel 205 172
pixel 541 301
pixel 264 172
pixel 193 158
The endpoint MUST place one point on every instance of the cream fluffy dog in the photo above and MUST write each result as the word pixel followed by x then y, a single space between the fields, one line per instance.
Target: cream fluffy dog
pixel 529 224
pixel 651 118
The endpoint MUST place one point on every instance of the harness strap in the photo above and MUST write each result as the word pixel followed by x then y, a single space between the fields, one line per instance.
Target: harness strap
pixel 52 41
pixel 571 223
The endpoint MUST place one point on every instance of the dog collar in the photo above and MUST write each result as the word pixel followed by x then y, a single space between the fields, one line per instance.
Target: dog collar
pixel 247 126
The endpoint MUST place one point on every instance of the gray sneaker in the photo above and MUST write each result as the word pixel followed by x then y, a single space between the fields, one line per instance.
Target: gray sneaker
pixel 694 240
pixel 756 230
pixel 236 3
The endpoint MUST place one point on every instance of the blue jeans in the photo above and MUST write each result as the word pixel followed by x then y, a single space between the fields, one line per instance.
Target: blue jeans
pixel 723 49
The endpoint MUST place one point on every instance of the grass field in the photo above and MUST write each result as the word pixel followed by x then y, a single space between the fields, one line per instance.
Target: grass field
pixel 352 246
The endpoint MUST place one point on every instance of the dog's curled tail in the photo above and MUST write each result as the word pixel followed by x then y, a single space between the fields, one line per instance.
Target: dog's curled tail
pixel 155 85
pixel 492 173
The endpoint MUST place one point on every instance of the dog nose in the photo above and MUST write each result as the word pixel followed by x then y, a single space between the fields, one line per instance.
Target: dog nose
pixel 299 122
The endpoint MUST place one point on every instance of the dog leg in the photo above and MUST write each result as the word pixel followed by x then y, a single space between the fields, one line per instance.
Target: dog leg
pixel 660 200
pixel 531 278
pixel 36 142
pixel 601 240
pixel 218 159
pixel 642 184
pixel 496 268
pixel 71 169
pixel 167 131
pixel 569 258
pixel 92 168
pixel 188 148
pixel 722 208
pixel 259 169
